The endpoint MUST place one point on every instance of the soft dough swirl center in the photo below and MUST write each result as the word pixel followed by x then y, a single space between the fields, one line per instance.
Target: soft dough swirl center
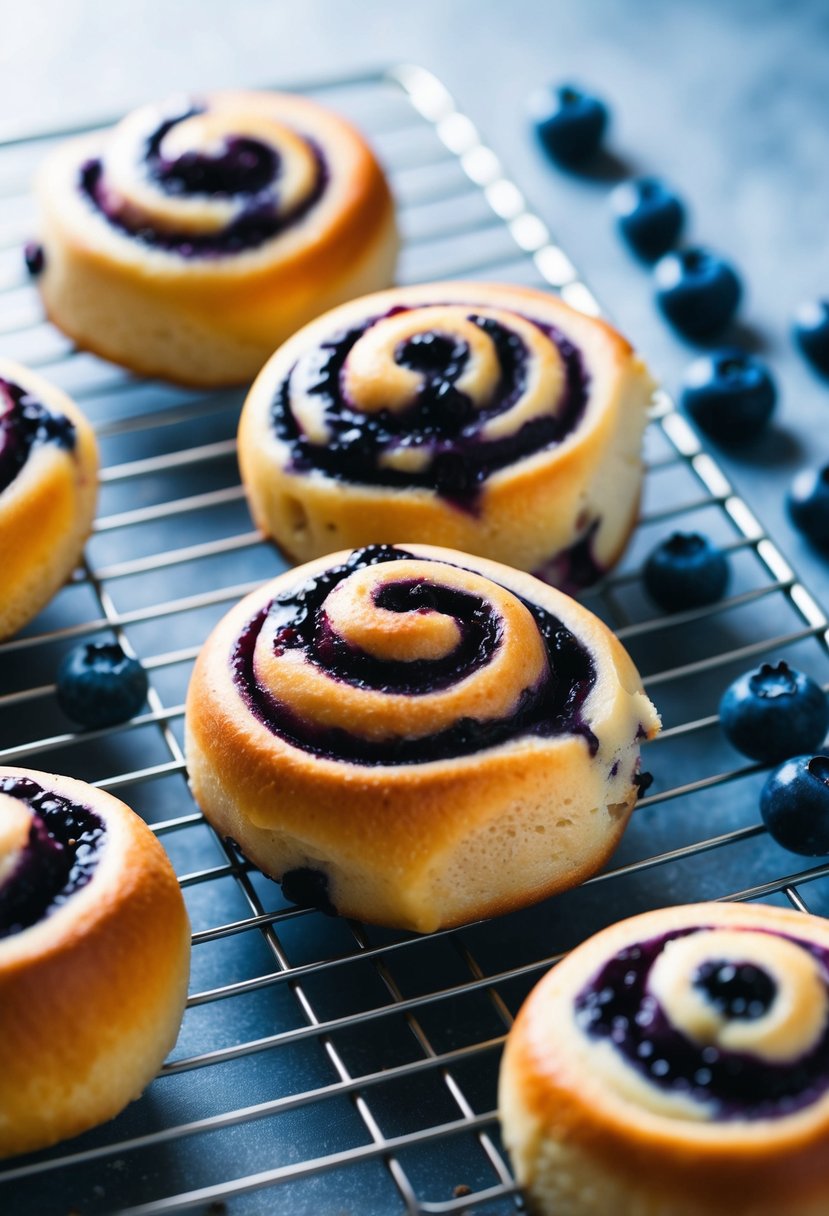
pixel 355 621
pixel 439 394
pixel 709 1022
pixel 392 658
pixel 209 179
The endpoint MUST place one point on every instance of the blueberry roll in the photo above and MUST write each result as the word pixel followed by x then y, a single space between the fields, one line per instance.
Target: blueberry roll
pixel 677 1064
pixel 492 419
pixel 48 491
pixel 415 737
pixel 195 236
pixel 94 958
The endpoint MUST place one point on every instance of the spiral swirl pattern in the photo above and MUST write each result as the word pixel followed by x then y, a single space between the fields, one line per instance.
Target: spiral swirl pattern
pixel 676 1062
pixel 415 737
pixel 204 180
pixel 395 659
pixel 195 236
pixel 25 422
pixel 49 848
pixel 481 417
pixel 438 395
pixel 724 1023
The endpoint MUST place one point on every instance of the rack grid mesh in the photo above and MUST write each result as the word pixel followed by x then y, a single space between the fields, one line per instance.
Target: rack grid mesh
pixel 325 1066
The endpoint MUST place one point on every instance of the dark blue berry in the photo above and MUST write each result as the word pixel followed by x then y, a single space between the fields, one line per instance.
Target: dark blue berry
pixel 738 990
pixel 774 712
pixel 685 571
pixel 794 804
pixel 649 216
pixel 34 257
pixel 729 395
pixel 697 291
pixel 99 685
pixel 811 333
pixel 808 505
pixel 308 887
pixel 569 122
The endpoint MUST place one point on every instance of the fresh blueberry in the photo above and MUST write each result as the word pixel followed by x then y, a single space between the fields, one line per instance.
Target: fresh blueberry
pixel 685 571
pixel 774 712
pixel 649 216
pixel 569 122
pixel 808 505
pixel 99 685
pixel 811 333
pixel 794 804
pixel 34 257
pixel 729 395
pixel 697 291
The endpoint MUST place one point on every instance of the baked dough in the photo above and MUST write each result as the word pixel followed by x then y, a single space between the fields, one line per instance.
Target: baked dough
pixel 48 491
pixel 195 236
pixel 677 1064
pixel 492 419
pixel 94 958
pixel 416 737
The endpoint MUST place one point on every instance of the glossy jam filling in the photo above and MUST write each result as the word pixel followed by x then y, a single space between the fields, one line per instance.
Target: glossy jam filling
pixel 64 847
pixel 442 420
pixel 617 1006
pixel 244 168
pixel 552 708
pixel 574 568
pixel 24 422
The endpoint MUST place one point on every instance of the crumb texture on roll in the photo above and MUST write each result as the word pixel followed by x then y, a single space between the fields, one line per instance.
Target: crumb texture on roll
pixel 94 958
pixel 48 491
pixel 197 234
pixel 416 737
pixel 677 1063
pixel 487 418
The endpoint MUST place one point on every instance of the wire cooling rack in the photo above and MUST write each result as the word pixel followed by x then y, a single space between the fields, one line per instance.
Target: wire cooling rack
pixel 326 1068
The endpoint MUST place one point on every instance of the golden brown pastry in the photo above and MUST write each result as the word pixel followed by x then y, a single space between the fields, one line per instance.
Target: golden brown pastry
pixel 48 491
pixel 677 1064
pixel 416 737
pixel 194 237
pixel 94 958
pixel 487 418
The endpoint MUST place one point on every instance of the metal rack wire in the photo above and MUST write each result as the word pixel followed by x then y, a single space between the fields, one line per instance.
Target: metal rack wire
pixel 323 1066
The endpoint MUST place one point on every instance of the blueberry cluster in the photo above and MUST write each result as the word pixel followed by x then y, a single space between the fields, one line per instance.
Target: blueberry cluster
pixel 774 713
pixel 732 396
pixel 697 291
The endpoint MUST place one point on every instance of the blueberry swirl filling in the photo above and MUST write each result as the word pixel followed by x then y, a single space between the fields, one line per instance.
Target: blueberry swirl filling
pixel 396 659
pixel 191 184
pixel 25 423
pixel 50 849
pixel 733 1021
pixel 439 396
